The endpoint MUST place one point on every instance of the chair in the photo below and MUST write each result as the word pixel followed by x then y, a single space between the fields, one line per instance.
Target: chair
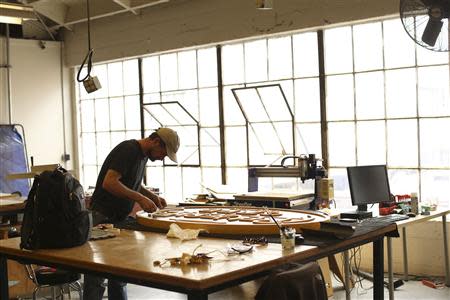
pixel 54 279
pixel 294 281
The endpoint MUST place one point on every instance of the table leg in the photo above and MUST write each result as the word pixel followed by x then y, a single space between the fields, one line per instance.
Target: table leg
pixel 405 255
pixel 4 292
pixel 197 295
pixel 444 233
pixel 390 271
pixel 378 269
pixel 347 283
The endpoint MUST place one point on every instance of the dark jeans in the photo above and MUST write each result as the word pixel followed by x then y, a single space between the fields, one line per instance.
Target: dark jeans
pixel 93 285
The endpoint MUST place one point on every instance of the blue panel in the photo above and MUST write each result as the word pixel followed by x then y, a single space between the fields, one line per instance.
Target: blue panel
pixel 12 160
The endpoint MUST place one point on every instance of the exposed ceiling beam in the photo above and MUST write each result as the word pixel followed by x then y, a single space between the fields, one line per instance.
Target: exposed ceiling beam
pixel 100 9
pixel 54 10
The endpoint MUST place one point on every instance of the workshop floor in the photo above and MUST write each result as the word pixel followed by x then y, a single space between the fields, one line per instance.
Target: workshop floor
pixel 411 290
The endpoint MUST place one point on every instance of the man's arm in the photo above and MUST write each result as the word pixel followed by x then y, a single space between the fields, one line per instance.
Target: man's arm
pixel 112 184
pixel 159 201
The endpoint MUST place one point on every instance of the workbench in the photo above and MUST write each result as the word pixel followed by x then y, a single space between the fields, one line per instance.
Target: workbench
pixel 130 257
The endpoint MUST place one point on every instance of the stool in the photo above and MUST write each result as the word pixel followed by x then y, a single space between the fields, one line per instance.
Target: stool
pixel 44 277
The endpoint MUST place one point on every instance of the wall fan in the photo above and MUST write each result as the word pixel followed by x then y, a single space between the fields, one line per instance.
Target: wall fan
pixel 426 22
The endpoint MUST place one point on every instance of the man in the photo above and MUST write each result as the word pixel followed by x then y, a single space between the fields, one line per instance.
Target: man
pixel 119 187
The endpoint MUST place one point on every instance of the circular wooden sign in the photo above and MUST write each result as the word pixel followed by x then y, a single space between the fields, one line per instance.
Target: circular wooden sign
pixel 232 219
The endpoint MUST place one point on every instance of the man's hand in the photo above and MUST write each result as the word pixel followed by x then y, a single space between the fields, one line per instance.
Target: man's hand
pixel 147 204
pixel 160 202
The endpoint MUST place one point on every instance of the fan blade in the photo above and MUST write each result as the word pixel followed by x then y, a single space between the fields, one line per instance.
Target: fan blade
pixel 432 31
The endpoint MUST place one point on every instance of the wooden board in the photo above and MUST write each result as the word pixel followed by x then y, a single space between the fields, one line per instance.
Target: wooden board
pixel 271 196
pixel 232 219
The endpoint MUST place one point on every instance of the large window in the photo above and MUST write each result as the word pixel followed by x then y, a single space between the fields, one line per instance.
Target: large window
pixel 387 102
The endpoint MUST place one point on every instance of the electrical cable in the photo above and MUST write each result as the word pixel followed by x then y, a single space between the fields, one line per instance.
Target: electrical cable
pixel 88 57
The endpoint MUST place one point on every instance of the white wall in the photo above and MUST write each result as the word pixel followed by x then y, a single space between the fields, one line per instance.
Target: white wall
pixel 37 99
pixel 186 23
pixel 425 250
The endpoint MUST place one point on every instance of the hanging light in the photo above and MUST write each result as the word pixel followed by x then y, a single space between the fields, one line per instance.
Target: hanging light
pixel 91 83
pixel 12 13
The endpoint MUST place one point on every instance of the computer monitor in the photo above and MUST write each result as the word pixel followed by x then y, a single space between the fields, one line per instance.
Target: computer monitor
pixel 368 185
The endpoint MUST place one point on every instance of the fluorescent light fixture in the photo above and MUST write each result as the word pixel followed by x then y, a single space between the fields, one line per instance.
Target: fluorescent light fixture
pixel 12 13
pixel 10 20
pixel 264 4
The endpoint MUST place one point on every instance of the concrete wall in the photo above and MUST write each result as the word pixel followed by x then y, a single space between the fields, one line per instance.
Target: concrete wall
pixel 40 99
pixel 186 23
pixel 425 250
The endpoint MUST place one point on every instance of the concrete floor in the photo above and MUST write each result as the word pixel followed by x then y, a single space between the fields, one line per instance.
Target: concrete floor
pixel 411 290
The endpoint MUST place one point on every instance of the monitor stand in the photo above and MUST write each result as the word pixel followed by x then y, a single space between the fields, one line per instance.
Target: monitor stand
pixel 360 214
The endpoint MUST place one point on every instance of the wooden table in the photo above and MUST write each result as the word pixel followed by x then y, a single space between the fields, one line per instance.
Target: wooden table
pixel 129 257
pixel 403 225
pixel 11 205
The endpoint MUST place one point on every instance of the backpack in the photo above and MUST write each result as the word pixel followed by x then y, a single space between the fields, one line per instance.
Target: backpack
pixel 55 214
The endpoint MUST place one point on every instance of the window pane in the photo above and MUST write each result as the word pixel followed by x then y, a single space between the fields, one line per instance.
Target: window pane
pixel 436 187
pixel 209 107
pixel 207 67
pixel 88 143
pixel 150 70
pixel 191 179
pixel 117 113
pixel 115 80
pixel 116 138
pixel 211 176
pixel 103 146
pixel 308 139
pixel 256 61
pixel 187 69
pixel 338 50
pixel 371 142
pixel 232 112
pixel 341 188
pixel 210 150
pixel 235 179
pixel 89 176
pixel 341 143
pixel 307 100
pixel 280 58
pixel 132 113
pixel 403 182
pixel 434 147
pixel 368 46
pixel 131 77
pixel 427 57
pixel 369 95
pixel 235 146
pixel 233 64
pixel 434 99
pixel 101 72
pixel 173 185
pixel 306 58
pixel 340 95
pixel 275 103
pixel 155 177
pixel 401 93
pixel 87 115
pixel 169 72
pixel 399 49
pixel 402 143
pixel 101 115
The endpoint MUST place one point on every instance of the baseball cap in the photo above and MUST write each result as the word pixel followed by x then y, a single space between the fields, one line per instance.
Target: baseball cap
pixel 172 141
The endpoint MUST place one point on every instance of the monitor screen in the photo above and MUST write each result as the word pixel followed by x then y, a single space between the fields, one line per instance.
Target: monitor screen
pixel 368 184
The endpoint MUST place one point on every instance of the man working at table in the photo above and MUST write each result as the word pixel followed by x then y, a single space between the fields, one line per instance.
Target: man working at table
pixel 119 187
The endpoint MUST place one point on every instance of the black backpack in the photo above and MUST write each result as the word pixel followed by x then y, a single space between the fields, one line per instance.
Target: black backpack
pixel 55 213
